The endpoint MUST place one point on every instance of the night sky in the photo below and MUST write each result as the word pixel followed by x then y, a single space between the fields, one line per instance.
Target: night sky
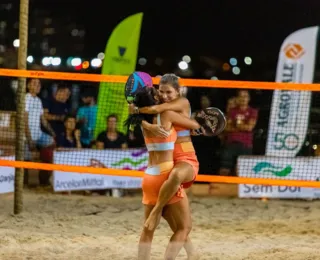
pixel 174 28
pixel 219 28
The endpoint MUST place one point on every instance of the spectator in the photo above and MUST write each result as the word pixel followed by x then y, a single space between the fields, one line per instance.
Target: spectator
pixel 232 103
pixel 135 138
pixel 205 102
pixel 87 116
pixel 205 156
pixel 70 138
pixel 56 109
pixel 35 137
pixel 111 138
pixel 238 134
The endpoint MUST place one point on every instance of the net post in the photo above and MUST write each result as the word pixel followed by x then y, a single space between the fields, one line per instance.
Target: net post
pixel 20 118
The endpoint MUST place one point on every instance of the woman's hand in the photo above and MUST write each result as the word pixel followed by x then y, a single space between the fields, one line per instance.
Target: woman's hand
pixel 198 132
pixel 77 134
pixel 158 130
pixel 133 109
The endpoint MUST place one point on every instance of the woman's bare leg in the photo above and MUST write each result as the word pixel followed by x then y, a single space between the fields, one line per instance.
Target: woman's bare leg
pixel 180 212
pixel 146 237
pixel 188 246
pixel 181 173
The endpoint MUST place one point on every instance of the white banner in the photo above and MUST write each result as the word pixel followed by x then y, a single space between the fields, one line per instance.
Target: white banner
pixel 7 176
pixel 297 168
pixel 289 118
pixel 132 159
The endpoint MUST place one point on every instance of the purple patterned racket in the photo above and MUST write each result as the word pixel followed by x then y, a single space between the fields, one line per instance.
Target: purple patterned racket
pixel 137 80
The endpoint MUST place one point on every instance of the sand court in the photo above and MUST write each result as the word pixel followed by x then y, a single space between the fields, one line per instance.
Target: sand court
pixel 78 227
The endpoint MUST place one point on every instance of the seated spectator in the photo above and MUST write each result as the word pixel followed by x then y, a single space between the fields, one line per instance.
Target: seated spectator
pixel 56 109
pixel 87 116
pixel 70 137
pixel 135 138
pixel 111 138
pixel 205 102
pixel 238 133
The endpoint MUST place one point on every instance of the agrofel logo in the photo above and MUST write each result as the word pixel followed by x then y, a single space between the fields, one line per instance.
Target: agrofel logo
pixel 294 51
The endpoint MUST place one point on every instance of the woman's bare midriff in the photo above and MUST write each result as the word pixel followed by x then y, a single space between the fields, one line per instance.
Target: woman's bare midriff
pixel 157 157
pixel 184 139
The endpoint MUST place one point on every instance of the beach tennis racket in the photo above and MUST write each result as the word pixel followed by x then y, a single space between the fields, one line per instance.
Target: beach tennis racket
pixel 211 120
pixel 136 81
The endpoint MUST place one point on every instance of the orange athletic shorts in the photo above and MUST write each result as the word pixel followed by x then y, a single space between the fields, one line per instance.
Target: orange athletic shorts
pixel 184 152
pixel 153 179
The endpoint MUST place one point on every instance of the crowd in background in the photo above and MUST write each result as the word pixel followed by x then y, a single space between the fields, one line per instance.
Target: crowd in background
pixel 52 124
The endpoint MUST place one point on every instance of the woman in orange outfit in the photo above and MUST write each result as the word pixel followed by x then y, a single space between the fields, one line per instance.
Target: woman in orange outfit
pixel 186 165
pixel 160 166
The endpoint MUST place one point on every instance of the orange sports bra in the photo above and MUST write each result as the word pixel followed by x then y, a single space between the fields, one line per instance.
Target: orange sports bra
pixel 160 143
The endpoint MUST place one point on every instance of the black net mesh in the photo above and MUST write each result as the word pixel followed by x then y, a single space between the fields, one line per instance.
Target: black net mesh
pixel 68 123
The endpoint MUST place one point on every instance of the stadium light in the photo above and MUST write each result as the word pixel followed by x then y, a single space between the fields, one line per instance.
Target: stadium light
pixel 186 58
pixel 46 61
pixel 236 70
pixel 233 61
pixel 101 56
pixel 96 63
pixel 16 43
pixel 142 61
pixel 76 62
pixel 30 59
pixel 183 65
pixel 56 61
pixel 248 60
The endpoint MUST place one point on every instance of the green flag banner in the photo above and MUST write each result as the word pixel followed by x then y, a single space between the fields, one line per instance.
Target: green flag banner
pixel 120 59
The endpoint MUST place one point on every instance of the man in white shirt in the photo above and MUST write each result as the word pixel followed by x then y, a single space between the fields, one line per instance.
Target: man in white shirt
pixel 35 137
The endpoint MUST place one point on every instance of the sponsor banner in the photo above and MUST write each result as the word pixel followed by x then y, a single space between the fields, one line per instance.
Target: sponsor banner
pixel 120 59
pixel 297 168
pixel 289 117
pixel 7 176
pixel 131 159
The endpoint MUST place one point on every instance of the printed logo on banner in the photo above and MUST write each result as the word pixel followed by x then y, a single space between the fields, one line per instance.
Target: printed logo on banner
pixel 266 167
pixel 140 164
pixel 121 52
pixel 6 178
pixel 294 51
pixel 136 159
pixel 289 109
pixel 277 168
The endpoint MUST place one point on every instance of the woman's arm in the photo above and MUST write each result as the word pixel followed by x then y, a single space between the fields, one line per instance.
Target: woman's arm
pixel 176 105
pixel 146 125
pixel 154 129
pixel 177 119
pixel 77 135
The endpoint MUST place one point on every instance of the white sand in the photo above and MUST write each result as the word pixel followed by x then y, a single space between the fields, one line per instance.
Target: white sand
pixel 91 228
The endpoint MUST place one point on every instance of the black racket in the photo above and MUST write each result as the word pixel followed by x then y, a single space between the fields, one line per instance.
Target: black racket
pixel 137 80
pixel 211 120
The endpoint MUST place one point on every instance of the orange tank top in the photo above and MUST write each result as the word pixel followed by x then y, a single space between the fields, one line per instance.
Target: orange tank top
pixel 160 143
